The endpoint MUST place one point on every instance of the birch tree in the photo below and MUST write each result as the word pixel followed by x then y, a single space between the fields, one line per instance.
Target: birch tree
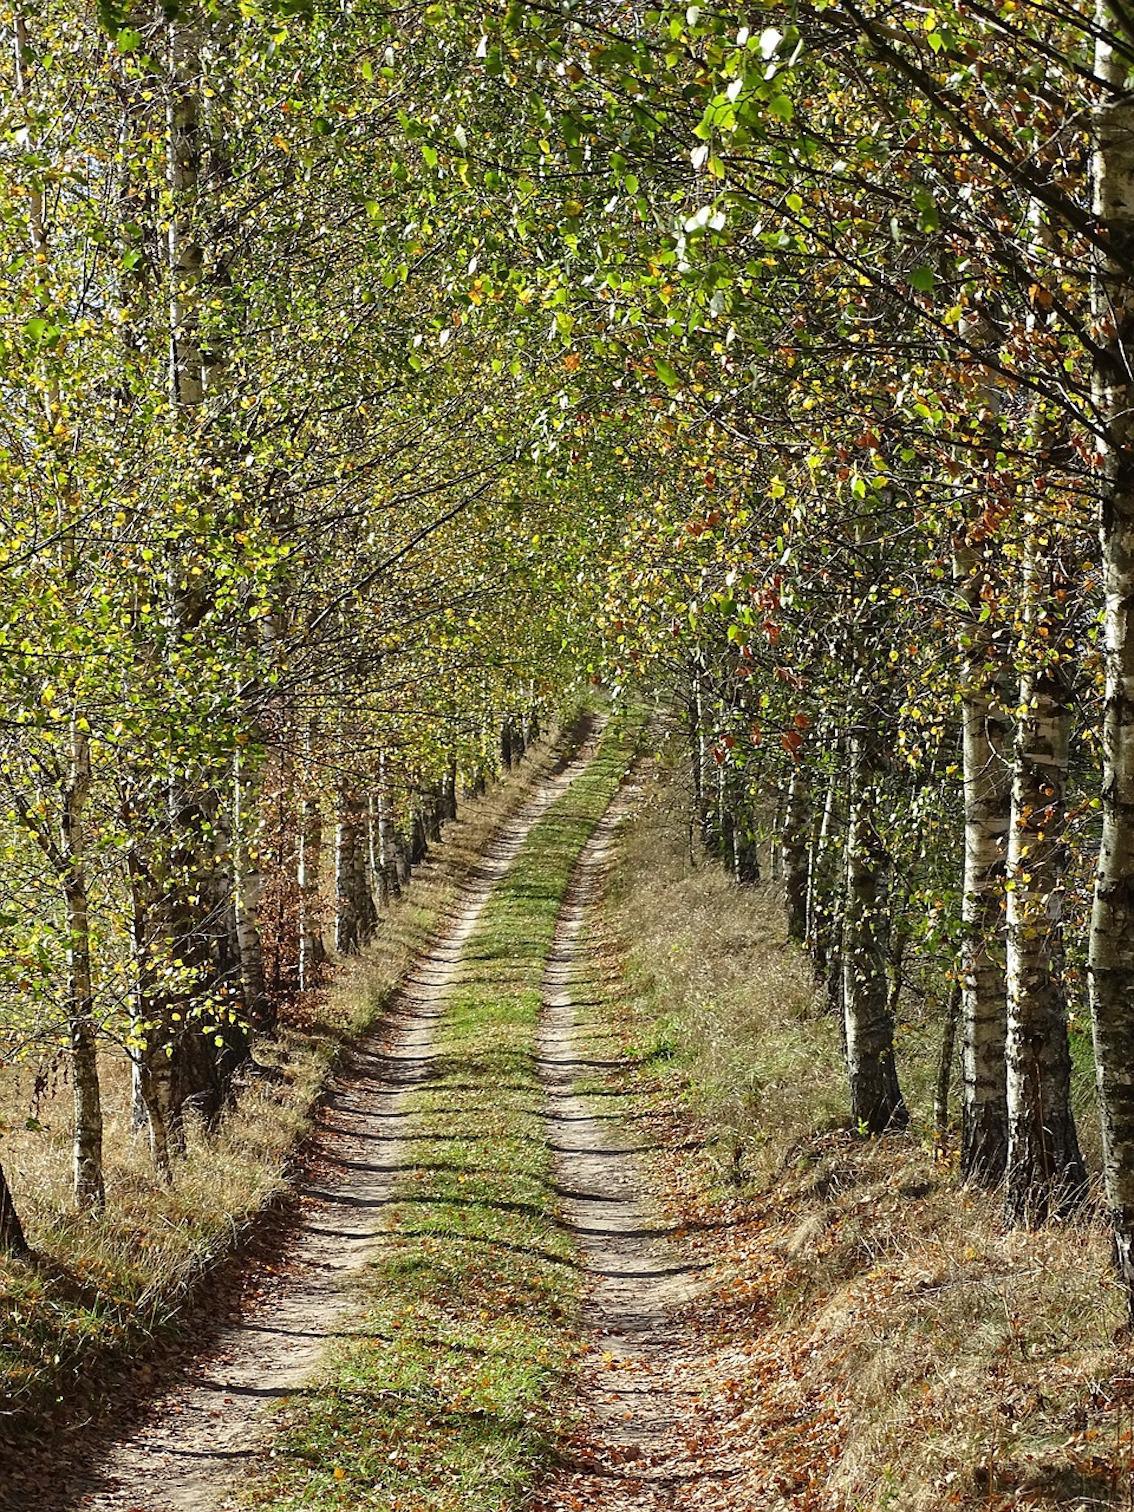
pixel 1112 917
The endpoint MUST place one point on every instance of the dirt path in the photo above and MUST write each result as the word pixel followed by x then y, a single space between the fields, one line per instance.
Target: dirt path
pixel 194 1440
pixel 635 1447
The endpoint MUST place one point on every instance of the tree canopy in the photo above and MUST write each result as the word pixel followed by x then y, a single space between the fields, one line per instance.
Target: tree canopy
pixel 371 377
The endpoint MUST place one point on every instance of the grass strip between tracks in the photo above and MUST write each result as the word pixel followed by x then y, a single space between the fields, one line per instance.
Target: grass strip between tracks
pixel 445 1396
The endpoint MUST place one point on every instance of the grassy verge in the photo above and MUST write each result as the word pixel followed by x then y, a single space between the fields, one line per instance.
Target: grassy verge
pixel 104 1288
pixel 466 1325
pixel 874 1339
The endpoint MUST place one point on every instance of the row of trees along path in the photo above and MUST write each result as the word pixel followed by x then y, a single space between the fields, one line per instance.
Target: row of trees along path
pixel 371 377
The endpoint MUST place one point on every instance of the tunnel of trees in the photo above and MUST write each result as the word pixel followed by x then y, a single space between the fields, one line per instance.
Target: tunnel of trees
pixel 370 376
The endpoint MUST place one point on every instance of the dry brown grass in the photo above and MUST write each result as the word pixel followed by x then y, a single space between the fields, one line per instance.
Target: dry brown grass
pixel 107 1284
pixel 885 1343
pixel 721 992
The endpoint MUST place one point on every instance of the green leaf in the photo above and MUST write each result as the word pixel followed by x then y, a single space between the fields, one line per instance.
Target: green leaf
pixel 923 279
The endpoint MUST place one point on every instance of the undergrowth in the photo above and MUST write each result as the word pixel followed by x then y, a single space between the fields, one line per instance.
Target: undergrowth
pixel 100 1288
pixel 467 1316
pixel 884 1341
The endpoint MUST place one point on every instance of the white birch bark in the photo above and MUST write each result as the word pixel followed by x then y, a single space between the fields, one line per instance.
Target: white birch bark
pixel 348 925
pixel 1045 1171
pixel 387 844
pixel 986 735
pixel 987 778
pixel 151 1032
pixel 876 1100
pixel 312 952
pixel 1111 955
pixel 309 871
pixel 69 857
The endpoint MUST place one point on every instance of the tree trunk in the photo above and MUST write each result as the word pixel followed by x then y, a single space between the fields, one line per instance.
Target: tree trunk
pixel 402 857
pixel 986 732
pixel 363 897
pixel 1112 918
pixel 419 837
pixel 744 847
pixel 248 891
pixel 433 804
pixel 822 877
pixel 702 762
pixel 387 845
pixel 90 1188
pixel 876 1100
pixel 376 875
pixel 746 850
pixel 348 925
pixel 1045 1169
pixel 793 845
pixel 449 793
pixel 68 858
pixel 12 1240
pixel 153 1034
pixel 153 1087
pixel 945 1067
pixel 726 827
pixel 312 951
pixel 695 771
pixel 202 884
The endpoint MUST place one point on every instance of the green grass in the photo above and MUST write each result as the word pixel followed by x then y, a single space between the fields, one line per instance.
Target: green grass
pixel 446 1400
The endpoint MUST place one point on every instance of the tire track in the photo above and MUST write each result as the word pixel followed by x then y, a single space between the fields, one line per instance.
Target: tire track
pixel 633 1449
